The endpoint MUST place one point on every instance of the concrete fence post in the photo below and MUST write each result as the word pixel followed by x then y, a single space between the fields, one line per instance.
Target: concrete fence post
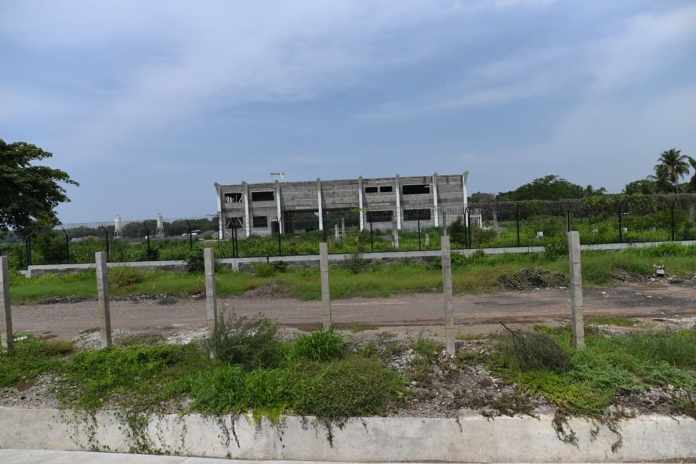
pixel 103 310
pixel 576 303
pixel 210 290
pixel 7 334
pixel 327 321
pixel 447 293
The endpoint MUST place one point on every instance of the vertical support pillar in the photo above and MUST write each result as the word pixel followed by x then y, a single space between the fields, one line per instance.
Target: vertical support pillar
pixel 343 228
pixel 576 303
pixel 279 209
pixel 247 219
pixel 465 192
pixel 327 319
pixel 361 203
pixel 7 334
pixel 397 189
pixel 436 212
pixel 320 207
pixel 103 310
pixel 210 291
pixel 447 293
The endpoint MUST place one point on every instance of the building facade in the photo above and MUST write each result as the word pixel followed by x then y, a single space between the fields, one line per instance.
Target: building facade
pixel 401 203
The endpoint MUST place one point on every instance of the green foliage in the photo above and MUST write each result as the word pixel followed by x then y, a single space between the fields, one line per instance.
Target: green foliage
pixel 124 277
pixel 250 343
pixel 535 350
pixel 264 269
pixel 357 264
pixel 550 187
pixel 195 262
pixel 457 231
pixel 321 345
pixel 32 357
pixel 607 365
pixel 29 193
pixel 354 386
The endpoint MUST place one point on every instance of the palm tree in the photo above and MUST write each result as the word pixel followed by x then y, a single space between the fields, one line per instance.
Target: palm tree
pixel 692 181
pixel 671 167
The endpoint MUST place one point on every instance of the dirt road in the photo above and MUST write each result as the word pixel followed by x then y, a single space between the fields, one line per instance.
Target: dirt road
pixel 474 313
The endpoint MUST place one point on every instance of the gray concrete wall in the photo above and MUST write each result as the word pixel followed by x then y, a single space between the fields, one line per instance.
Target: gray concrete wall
pixel 240 263
pixel 468 438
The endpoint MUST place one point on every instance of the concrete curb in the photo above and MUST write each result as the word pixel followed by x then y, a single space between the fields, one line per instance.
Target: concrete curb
pixel 470 438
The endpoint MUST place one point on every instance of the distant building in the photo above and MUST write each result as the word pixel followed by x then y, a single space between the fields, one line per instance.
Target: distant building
pixel 380 203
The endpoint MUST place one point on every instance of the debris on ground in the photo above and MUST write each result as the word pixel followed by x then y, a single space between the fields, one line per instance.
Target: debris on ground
pixel 530 278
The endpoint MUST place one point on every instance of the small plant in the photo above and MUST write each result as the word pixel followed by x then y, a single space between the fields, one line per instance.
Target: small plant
pixel 264 269
pixel 535 350
pixel 322 345
pixel 357 264
pixel 195 261
pixel 251 343
pixel 279 266
pixel 124 277
pixel 457 231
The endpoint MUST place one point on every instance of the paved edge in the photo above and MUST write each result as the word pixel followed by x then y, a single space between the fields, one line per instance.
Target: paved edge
pixel 468 438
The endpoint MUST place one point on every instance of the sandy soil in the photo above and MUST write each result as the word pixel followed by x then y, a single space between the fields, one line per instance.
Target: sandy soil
pixel 475 314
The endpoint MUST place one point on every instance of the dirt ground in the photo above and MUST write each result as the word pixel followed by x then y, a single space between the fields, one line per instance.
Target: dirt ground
pixel 410 314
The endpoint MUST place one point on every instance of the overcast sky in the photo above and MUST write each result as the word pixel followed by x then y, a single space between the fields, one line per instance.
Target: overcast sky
pixel 148 103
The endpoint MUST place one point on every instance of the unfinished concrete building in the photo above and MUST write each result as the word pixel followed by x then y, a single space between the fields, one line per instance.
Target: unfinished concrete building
pixel 384 203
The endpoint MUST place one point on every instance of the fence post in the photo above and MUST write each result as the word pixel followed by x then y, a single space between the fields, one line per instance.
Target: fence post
pixel 5 308
pixel 517 222
pixel 419 234
pixel 103 311
pixel 447 292
pixel 210 291
pixel 576 303
pixel 67 246
pixel 327 321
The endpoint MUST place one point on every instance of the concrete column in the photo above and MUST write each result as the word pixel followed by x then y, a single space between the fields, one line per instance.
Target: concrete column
pixel 395 235
pixel 447 293
pixel 343 228
pixel 337 234
pixel 320 207
pixel 221 219
pixel 436 213
pixel 279 209
pixel 103 310
pixel 325 287
pixel 576 303
pixel 465 191
pixel 7 334
pixel 361 205
pixel 210 291
pixel 247 219
pixel 397 189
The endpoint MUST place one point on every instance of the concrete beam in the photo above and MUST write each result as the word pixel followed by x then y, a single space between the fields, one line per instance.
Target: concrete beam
pixel 7 334
pixel 279 209
pixel 247 219
pixel 103 309
pixel 320 206
pixel 436 218
pixel 397 191
pixel 361 203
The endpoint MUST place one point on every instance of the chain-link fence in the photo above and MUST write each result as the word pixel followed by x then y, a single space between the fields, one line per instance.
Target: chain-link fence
pixel 600 219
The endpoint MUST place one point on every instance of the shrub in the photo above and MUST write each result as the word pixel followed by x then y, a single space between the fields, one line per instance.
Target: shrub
pixel 279 266
pixel 535 350
pixel 250 343
pixel 321 345
pixel 357 264
pixel 195 261
pixel 556 246
pixel 350 387
pixel 217 390
pixel 264 269
pixel 457 231
pixel 123 277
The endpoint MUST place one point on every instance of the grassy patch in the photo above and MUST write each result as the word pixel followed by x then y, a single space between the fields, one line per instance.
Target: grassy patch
pixel 254 371
pixel 474 274
pixel 607 366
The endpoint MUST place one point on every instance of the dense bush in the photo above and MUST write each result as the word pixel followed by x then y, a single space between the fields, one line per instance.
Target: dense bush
pixel 321 345
pixel 535 350
pixel 122 277
pixel 251 343
pixel 195 261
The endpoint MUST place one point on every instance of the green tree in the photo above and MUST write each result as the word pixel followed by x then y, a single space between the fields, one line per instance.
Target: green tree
pixel 641 186
pixel 671 167
pixel 550 187
pixel 29 193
